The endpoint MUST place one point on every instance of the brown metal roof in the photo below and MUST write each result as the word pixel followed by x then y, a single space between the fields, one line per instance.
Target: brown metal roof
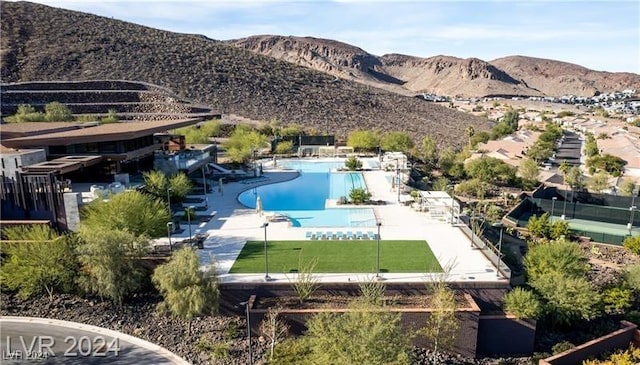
pixel 101 133
pixel 16 130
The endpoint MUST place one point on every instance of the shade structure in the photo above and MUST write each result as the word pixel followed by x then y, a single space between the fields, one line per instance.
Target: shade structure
pixel 259 205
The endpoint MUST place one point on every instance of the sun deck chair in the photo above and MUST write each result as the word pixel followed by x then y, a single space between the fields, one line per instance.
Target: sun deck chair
pixel 359 235
pixel 339 235
pixel 330 235
pixel 321 235
pixel 309 235
pixel 348 235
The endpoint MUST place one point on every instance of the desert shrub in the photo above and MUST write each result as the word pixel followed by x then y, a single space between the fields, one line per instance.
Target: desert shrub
pixel 617 300
pixel 562 346
pixel 359 195
pixel 522 303
pixel 352 164
pixel 632 243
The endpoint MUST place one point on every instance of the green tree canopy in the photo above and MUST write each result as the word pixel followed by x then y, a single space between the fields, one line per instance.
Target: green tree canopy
pixel 242 142
pixel 627 187
pixel 529 172
pixel 360 336
pixel 609 163
pixel 131 211
pixel 568 298
pixel 352 163
pixel 428 151
pixel 396 141
pixel 57 112
pixel 108 258
pixel 363 140
pixel 557 256
pixel 522 303
pixel 574 178
pixel 599 182
pixel 39 260
pixel 490 170
pixel 187 290
pixel 284 147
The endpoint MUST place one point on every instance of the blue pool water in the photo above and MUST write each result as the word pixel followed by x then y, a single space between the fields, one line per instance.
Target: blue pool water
pixel 303 199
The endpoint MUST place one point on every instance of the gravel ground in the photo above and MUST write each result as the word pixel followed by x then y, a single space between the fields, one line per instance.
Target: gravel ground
pixel 211 340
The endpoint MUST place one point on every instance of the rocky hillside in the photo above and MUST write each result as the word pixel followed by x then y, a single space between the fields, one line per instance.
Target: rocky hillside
pixel 558 78
pixel 45 43
pixel 443 75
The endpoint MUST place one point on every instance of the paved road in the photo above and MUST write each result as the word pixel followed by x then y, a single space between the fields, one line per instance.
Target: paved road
pixel 43 341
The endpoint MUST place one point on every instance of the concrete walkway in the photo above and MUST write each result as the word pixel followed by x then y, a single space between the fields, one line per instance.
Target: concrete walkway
pixel 234 224
pixel 51 341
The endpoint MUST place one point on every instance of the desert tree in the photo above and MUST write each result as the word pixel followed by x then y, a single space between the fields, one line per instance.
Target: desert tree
pixel 362 335
pixel 57 112
pixel 441 327
pixel 157 184
pixel 428 151
pixel 573 177
pixel 556 256
pixel 599 182
pixel 273 329
pixel 529 172
pixel 353 163
pixel 396 141
pixel 180 186
pixel 628 187
pixel 37 260
pixel 109 260
pixel 187 290
pixel 131 211
pixel 284 147
pixel 363 140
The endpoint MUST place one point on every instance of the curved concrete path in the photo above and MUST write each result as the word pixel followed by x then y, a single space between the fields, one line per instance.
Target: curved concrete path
pixel 51 341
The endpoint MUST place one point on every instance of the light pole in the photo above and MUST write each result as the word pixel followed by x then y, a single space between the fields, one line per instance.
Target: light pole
pixel 631 215
pixel 246 311
pixel 266 254
pixel 553 204
pixel 169 229
pixel 191 209
pixel 204 181
pixel 499 253
pixel 169 190
pixel 564 205
pixel 453 200
pixel 378 249
pixel 398 178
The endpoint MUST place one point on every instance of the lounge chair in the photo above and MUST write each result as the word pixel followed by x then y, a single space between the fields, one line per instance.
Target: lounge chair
pixel 321 235
pixel 330 235
pixel 359 235
pixel 339 235
pixel 349 235
pixel 309 235
pixel 372 236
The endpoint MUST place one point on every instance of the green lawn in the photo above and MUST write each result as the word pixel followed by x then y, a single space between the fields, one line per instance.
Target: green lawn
pixel 337 256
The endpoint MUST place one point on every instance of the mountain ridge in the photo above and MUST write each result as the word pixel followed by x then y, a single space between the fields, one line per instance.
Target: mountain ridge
pixel 446 75
pixel 41 43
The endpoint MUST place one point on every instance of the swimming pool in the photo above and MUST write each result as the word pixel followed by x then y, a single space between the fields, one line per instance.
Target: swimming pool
pixel 304 198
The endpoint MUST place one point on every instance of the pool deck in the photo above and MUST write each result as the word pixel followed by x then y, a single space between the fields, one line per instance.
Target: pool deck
pixel 234 224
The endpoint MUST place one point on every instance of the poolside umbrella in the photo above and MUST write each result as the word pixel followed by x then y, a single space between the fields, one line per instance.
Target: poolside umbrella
pixel 259 205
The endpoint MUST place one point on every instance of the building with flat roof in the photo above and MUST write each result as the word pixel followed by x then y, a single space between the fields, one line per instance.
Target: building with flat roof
pixel 39 160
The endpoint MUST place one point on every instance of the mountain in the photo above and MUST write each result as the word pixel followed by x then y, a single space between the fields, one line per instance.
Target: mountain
pixel 44 43
pixel 562 78
pixel 442 75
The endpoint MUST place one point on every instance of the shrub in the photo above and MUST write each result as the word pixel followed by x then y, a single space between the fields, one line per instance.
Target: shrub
pixel 522 303
pixel 617 300
pixel 632 243
pixel 284 147
pixel 353 164
pixel 632 277
pixel 359 195
pixel 307 282
pixel 562 346
pixel 372 291
pixel 556 257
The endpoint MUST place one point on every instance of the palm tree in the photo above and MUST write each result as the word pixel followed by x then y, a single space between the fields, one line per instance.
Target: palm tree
pixel 470 132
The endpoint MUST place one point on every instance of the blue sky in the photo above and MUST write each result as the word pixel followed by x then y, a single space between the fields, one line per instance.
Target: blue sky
pixel 601 35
